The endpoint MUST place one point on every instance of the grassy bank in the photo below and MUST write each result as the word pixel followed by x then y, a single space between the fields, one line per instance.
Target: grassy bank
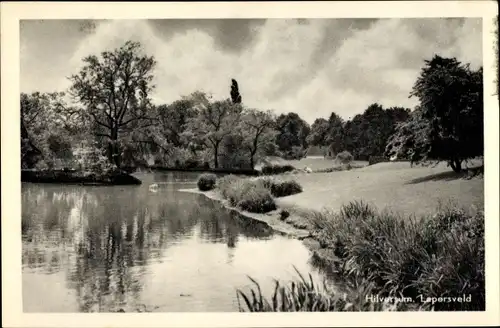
pixel 436 261
pixel 405 189
pixel 431 256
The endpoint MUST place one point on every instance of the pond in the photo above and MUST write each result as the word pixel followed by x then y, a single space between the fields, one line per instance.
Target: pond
pixel 102 249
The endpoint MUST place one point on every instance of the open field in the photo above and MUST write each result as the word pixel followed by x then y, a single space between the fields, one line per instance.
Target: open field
pixel 315 163
pixel 396 186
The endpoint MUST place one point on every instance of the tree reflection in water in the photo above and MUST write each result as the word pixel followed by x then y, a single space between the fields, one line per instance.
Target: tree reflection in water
pixel 103 237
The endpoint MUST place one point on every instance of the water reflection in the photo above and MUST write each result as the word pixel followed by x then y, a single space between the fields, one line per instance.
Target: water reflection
pixel 102 244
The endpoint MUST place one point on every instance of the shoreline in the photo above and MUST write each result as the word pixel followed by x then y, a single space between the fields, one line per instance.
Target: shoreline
pixel 272 220
pixel 75 177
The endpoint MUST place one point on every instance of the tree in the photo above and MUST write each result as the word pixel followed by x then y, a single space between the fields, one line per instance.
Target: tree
pixel 235 92
pixel 335 135
pixel 292 134
pixel 319 133
pixel 257 130
pixel 448 125
pixel 214 122
pixel 114 91
pixel 48 127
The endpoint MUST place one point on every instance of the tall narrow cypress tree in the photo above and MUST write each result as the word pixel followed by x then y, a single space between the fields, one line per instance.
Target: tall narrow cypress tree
pixel 235 93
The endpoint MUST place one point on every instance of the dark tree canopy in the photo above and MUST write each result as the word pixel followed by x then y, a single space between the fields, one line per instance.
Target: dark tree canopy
pixel 448 126
pixel 364 135
pixel 235 92
pixel 292 134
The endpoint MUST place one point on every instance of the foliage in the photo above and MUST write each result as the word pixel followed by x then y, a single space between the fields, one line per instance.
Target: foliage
pixel 235 92
pixel 319 133
pixel 207 181
pixel 344 157
pixel 440 256
pixel 257 131
pixel 48 129
pixel 448 124
pixel 224 184
pixel 233 154
pixel 281 188
pixel 363 136
pixel 303 294
pixel 247 194
pixel 277 169
pixel 292 131
pixel 90 158
pixel 113 90
pixel 214 122
pixel 257 200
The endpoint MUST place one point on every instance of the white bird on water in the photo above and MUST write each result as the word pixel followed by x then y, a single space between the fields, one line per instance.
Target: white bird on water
pixel 153 187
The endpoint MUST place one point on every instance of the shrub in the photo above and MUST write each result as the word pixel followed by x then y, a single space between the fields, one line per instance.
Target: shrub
pixel 284 214
pixel 276 169
pixel 344 157
pixel 439 256
pixel 257 200
pixel 224 184
pixel 207 181
pixel 280 188
pixel 248 194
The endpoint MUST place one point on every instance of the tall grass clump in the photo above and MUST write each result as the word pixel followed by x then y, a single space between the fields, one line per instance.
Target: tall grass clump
pixel 303 294
pixel 247 194
pixel 207 181
pixel 281 188
pixel 277 169
pixel 422 258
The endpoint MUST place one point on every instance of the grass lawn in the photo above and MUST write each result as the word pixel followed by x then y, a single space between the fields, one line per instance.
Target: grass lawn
pixel 315 163
pixel 395 186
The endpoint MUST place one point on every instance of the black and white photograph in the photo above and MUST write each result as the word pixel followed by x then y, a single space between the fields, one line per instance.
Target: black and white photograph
pixel 231 165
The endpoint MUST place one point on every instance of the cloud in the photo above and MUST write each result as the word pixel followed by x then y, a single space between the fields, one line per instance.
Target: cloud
pixel 311 67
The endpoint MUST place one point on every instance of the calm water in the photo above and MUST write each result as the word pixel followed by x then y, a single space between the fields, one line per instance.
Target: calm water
pixel 88 249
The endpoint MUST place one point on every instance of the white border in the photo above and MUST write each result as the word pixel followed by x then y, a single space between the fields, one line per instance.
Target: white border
pixel 11 13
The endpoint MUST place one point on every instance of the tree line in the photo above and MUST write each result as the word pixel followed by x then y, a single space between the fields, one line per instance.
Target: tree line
pixel 112 122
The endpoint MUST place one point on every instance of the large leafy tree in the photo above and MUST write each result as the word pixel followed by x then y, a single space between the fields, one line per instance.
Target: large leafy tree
pixel 257 129
pixel 215 121
pixel 114 91
pixel 448 125
pixel 335 137
pixel 319 133
pixel 292 133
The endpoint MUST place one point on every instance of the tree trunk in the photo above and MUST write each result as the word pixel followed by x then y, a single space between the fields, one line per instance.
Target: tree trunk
pixel 113 150
pixel 216 156
pixel 252 160
pixel 456 165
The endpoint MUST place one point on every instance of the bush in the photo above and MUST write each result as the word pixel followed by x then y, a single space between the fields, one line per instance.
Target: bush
pixel 248 194
pixel 257 200
pixel 439 256
pixel 224 184
pixel 207 181
pixel 276 169
pixel 280 188
pixel 344 157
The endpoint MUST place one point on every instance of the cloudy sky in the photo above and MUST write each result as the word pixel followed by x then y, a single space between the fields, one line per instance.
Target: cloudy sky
pixel 311 67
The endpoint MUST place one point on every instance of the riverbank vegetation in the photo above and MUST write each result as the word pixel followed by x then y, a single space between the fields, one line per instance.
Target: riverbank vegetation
pixel 254 195
pixel 390 255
